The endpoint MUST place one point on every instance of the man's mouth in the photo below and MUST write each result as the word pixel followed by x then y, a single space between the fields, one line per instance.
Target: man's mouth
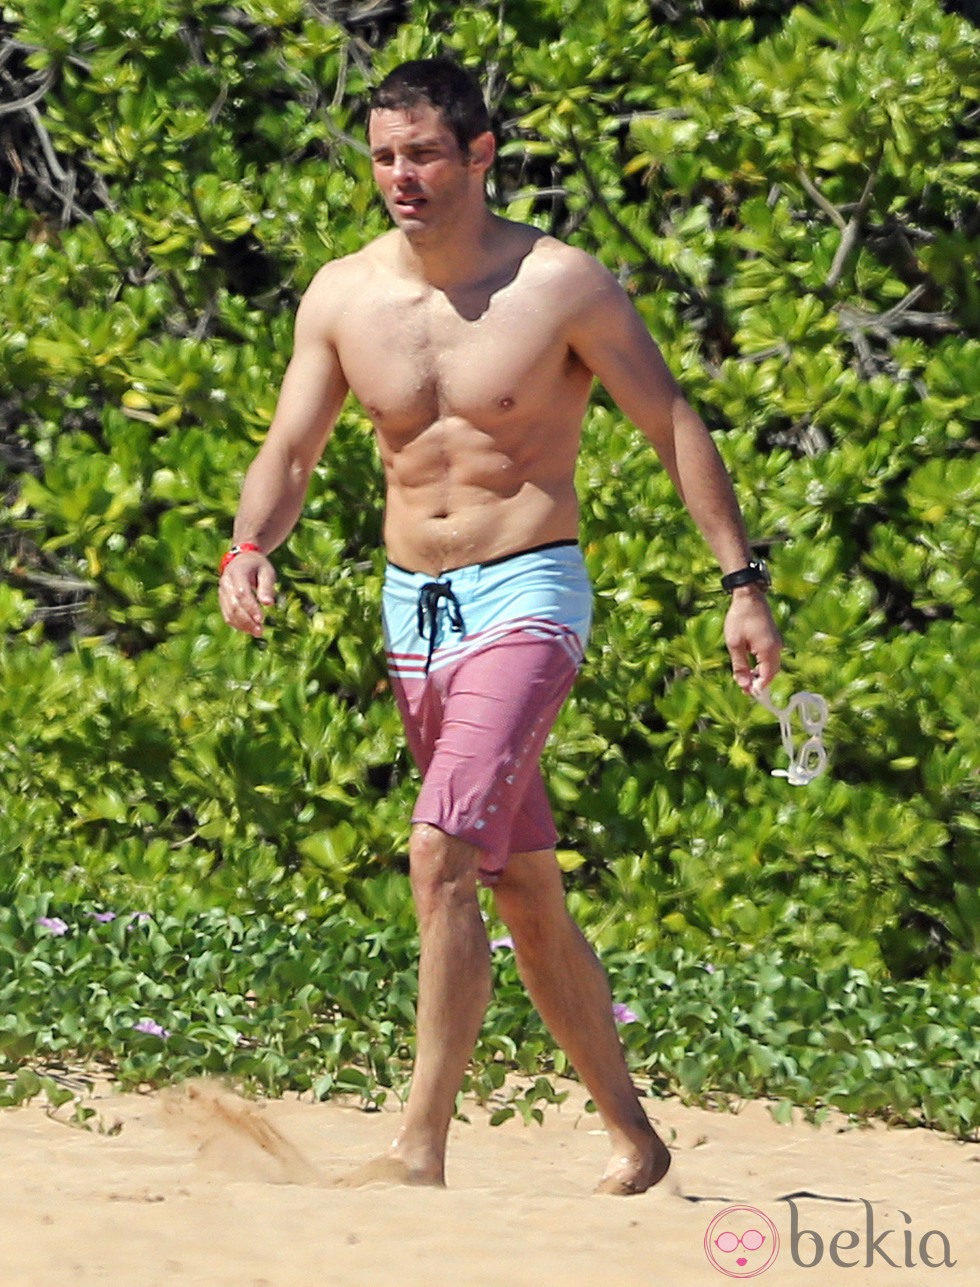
pixel 410 205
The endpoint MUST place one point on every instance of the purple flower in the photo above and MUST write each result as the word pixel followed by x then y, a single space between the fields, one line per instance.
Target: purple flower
pixel 623 1014
pixel 102 917
pixel 709 968
pixel 54 924
pixel 506 941
pixel 139 918
pixel 151 1028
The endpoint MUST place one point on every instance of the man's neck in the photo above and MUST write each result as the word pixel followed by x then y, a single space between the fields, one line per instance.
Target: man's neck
pixel 454 260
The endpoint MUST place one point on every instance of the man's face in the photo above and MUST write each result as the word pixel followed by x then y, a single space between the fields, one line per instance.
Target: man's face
pixel 419 169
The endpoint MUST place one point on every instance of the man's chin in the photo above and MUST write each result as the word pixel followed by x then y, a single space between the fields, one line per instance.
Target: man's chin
pixel 414 228
pixel 408 214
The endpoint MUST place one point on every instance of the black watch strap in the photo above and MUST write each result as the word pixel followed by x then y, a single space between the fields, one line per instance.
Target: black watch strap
pixel 755 572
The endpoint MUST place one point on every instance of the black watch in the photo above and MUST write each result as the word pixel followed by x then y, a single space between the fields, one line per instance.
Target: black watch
pixel 755 572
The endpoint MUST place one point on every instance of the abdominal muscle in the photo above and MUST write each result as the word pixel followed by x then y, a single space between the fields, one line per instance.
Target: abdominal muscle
pixel 455 496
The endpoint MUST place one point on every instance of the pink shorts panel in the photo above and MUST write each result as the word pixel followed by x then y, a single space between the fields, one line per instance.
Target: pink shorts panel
pixel 476 729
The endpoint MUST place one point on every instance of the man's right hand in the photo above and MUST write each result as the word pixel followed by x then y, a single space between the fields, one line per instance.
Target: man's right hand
pixel 246 588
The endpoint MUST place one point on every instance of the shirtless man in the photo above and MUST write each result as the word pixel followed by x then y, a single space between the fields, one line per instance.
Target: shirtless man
pixel 472 343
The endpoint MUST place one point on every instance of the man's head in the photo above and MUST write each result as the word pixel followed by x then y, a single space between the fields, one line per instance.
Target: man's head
pixel 431 146
pixel 442 84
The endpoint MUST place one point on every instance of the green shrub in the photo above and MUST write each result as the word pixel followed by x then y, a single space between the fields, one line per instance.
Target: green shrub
pixel 789 196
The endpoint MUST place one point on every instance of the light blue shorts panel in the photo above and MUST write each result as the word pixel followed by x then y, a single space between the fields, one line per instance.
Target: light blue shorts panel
pixel 543 592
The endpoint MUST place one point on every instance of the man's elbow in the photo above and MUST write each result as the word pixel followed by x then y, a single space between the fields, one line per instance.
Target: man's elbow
pixel 299 469
pixel 284 462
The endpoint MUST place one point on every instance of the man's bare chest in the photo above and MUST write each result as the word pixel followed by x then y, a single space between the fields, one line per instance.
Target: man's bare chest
pixel 413 359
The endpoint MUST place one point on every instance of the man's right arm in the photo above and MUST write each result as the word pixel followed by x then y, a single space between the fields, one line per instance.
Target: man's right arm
pixel 312 394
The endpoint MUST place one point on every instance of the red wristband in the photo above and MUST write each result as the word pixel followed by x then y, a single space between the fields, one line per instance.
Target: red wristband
pixel 245 547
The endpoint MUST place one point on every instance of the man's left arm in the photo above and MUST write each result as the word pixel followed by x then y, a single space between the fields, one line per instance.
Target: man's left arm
pixel 609 336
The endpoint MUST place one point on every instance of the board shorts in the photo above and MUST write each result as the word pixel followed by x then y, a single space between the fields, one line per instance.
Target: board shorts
pixel 481 660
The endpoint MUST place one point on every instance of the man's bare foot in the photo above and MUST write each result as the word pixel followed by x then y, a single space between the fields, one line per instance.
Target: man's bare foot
pixel 636 1171
pixel 391 1168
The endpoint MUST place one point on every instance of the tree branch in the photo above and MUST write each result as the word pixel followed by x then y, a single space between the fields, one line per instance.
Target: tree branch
pixel 852 232
pixel 21 104
pixel 900 316
pixel 674 279
pixel 47 147
pixel 814 192
pixel 58 584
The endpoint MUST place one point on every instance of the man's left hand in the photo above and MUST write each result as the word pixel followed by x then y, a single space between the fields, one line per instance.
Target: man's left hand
pixel 750 632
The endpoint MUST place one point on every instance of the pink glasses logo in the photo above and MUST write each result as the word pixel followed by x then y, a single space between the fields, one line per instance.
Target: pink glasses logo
pixel 741 1242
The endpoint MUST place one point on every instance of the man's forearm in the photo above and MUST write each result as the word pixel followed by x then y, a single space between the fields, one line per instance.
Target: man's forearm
pixel 703 482
pixel 272 499
pixel 705 487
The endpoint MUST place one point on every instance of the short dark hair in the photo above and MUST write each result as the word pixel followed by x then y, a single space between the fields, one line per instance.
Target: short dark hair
pixel 444 85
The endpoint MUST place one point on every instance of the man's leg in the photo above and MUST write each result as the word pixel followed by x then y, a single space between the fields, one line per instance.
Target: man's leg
pixel 454 990
pixel 569 987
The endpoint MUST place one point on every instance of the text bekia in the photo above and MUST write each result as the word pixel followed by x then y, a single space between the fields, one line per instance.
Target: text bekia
pixel 893 1246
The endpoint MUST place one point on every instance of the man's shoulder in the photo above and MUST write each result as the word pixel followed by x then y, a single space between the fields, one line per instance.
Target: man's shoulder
pixel 337 281
pixel 569 264
pixel 355 265
pixel 574 282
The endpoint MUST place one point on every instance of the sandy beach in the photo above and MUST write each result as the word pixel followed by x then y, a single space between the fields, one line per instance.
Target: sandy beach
pixel 197 1186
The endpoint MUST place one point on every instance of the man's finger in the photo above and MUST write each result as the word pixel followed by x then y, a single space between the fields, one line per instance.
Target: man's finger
pixel 239 606
pixel 266 584
pixel 768 666
pixel 741 669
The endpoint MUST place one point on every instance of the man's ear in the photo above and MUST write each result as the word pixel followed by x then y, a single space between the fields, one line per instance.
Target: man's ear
pixel 482 151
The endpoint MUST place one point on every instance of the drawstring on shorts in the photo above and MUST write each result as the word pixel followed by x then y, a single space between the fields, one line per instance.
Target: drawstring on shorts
pixel 430 596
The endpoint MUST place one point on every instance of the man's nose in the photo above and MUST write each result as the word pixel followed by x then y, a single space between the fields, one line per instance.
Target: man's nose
pixel 403 168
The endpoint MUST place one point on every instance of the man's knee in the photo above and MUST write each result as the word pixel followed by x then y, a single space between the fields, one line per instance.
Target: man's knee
pixel 441 867
pixel 530 900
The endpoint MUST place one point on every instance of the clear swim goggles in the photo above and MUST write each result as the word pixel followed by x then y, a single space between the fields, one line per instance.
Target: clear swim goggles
pixel 810 760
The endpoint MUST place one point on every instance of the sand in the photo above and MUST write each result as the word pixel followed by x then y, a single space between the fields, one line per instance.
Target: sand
pixel 199 1187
